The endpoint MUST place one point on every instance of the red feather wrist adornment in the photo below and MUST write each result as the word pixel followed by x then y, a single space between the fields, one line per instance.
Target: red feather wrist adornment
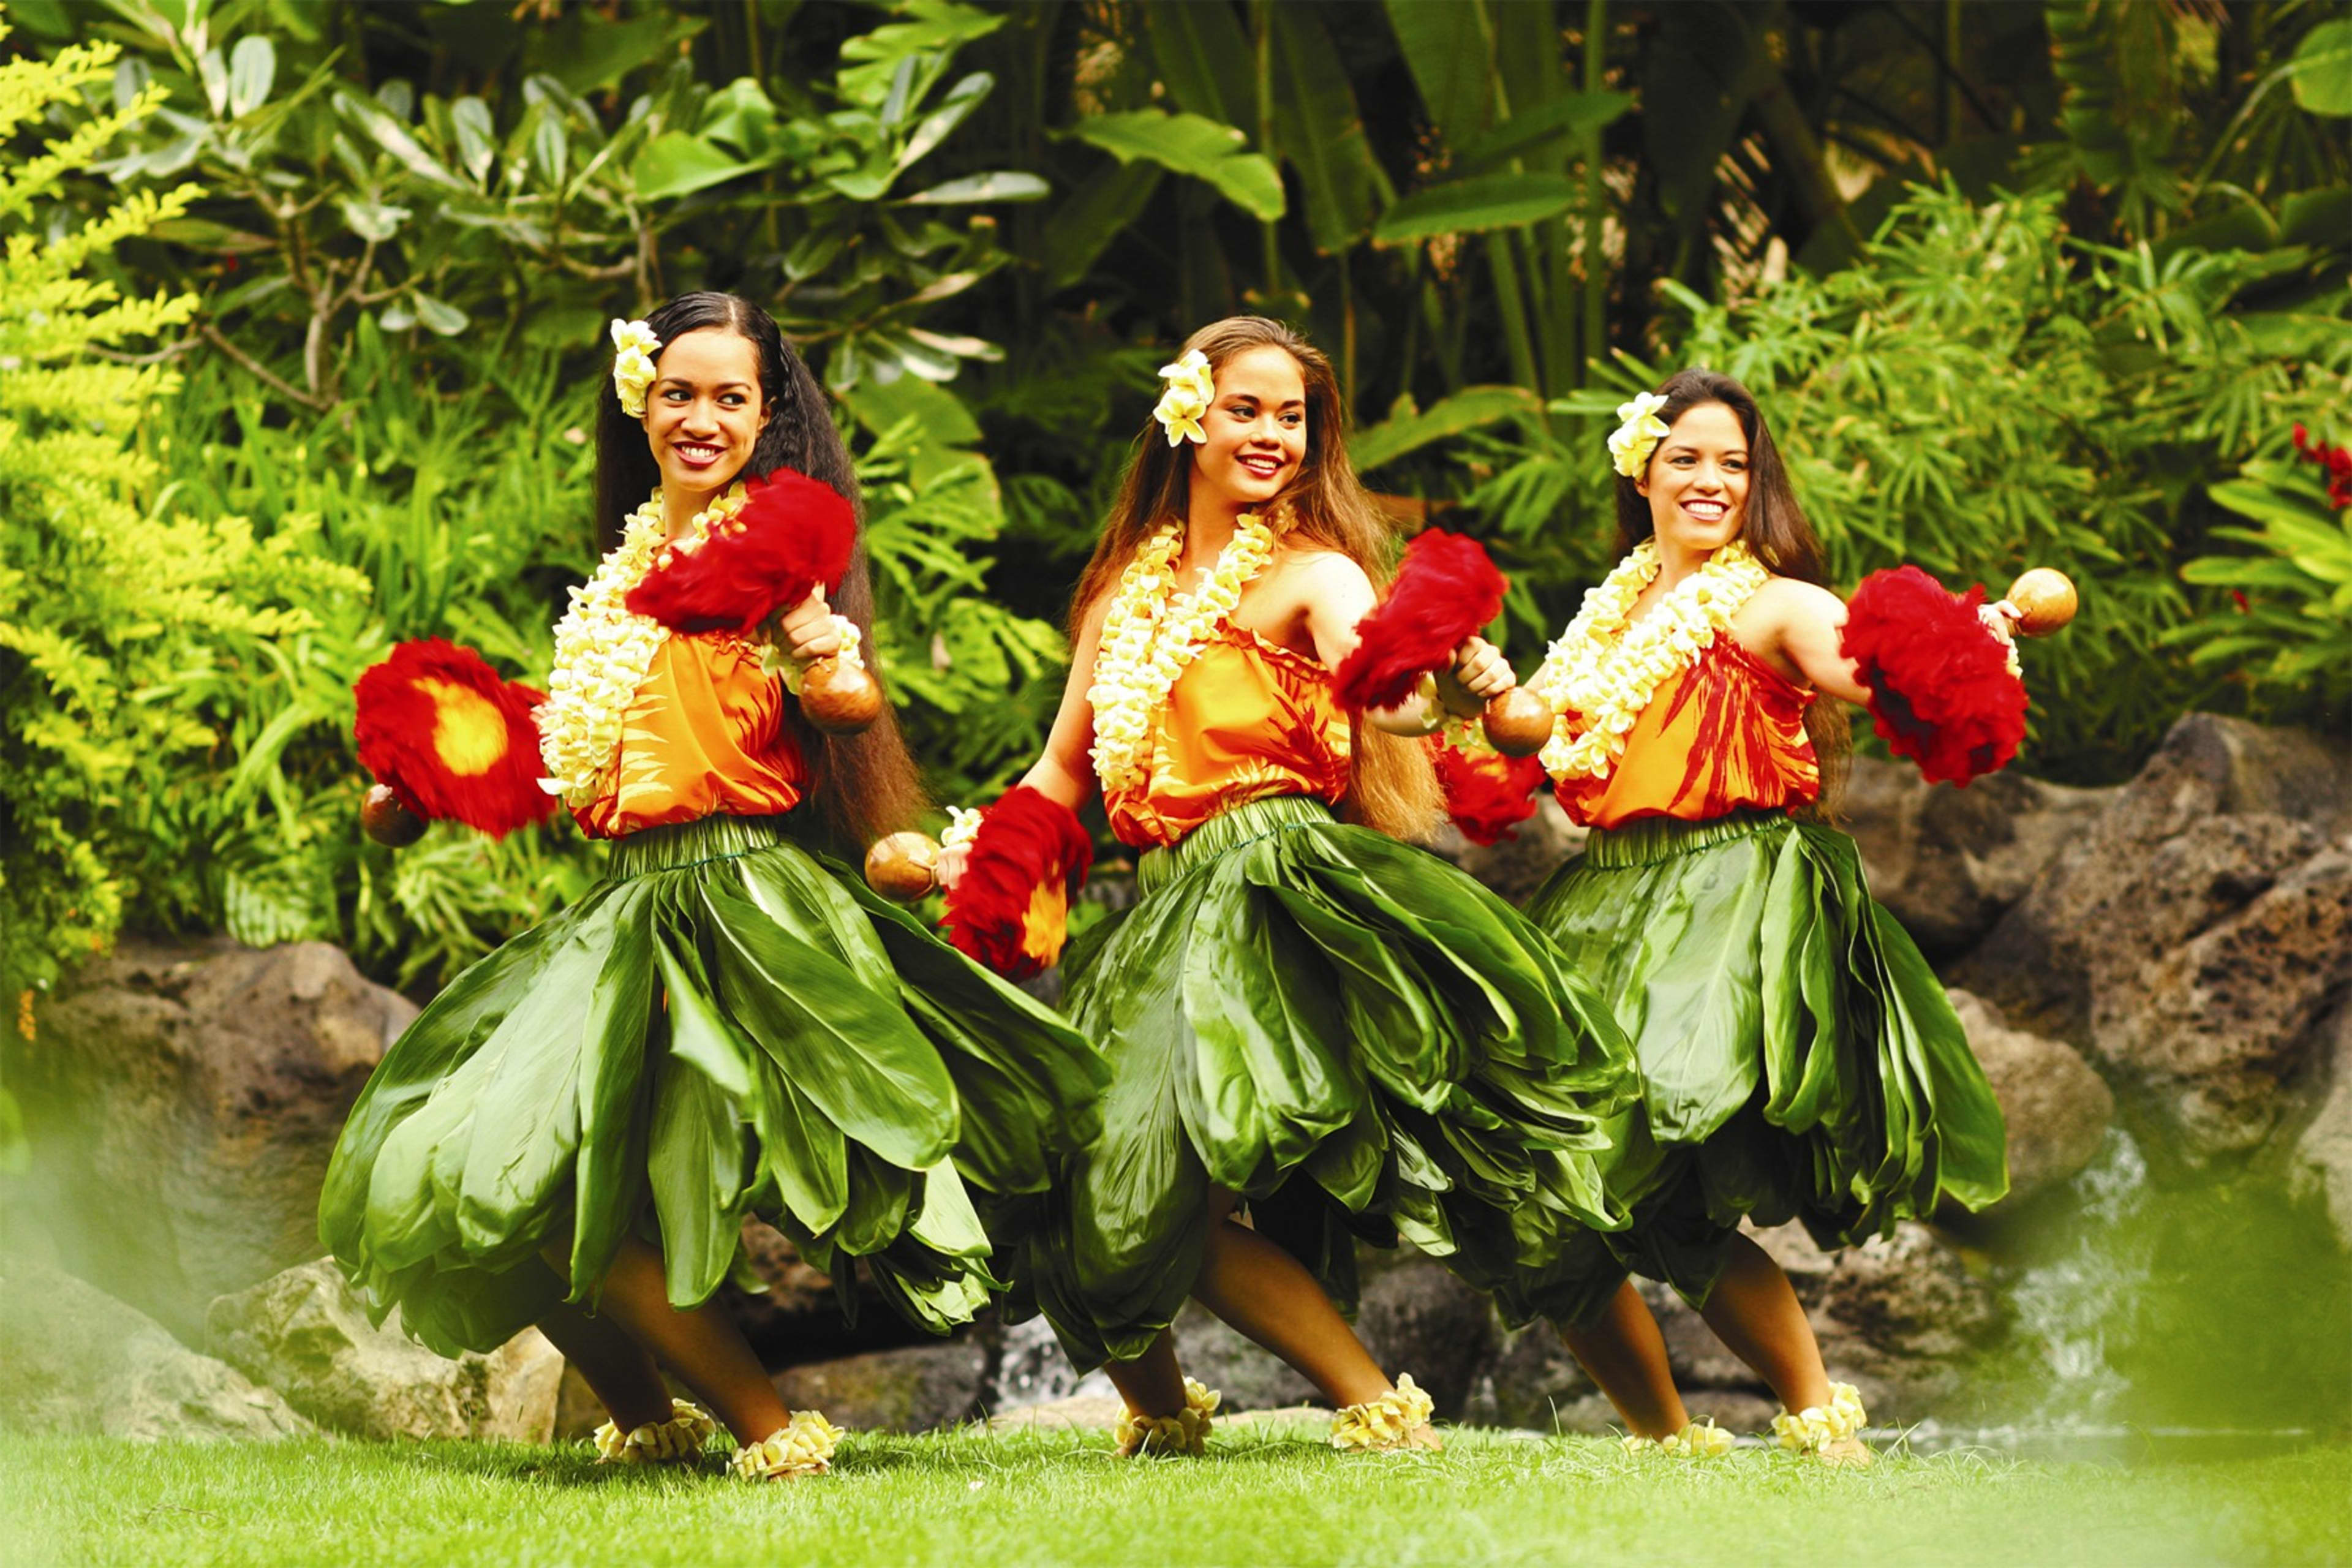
pixel 793 535
pixel 1940 688
pixel 1010 910
pixel 440 729
pixel 1487 793
pixel 1445 591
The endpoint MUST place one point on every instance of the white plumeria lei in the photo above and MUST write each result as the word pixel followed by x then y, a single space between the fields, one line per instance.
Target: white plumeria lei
pixel 633 347
pixel 602 650
pixel 1149 635
pixel 1191 387
pixel 1382 1425
pixel 1820 1426
pixel 1598 677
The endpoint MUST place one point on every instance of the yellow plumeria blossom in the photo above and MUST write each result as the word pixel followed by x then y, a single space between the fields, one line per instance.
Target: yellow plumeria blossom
pixel 1599 676
pixel 633 347
pixel 1699 1440
pixel 1150 632
pixel 1191 389
pixel 802 1447
pixel 1186 1432
pixel 1630 444
pixel 656 1442
pixel 963 827
pixel 1379 1426
pixel 1819 1427
pixel 602 650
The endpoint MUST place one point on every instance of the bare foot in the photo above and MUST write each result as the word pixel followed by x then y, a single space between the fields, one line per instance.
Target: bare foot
pixel 1846 1453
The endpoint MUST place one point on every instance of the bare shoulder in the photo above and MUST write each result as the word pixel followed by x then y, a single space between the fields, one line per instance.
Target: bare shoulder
pixel 1317 565
pixel 1791 600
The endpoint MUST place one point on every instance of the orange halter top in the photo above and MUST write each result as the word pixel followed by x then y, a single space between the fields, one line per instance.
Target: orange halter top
pixel 1727 732
pixel 1247 720
pixel 706 733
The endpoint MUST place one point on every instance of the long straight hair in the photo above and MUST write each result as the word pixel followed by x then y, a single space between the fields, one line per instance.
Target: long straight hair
pixel 1774 527
pixel 1393 786
pixel 862 785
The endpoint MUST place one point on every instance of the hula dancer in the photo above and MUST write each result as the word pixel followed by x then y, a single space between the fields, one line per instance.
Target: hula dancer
pixel 1799 1059
pixel 1305 1018
pixel 729 1023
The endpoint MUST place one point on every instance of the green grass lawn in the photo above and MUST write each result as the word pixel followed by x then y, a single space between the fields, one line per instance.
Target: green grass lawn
pixel 1265 1498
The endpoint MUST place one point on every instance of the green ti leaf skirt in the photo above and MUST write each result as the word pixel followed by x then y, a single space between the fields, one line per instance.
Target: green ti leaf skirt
pixel 1799 1059
pixel 1352 1034
pixel 727 1025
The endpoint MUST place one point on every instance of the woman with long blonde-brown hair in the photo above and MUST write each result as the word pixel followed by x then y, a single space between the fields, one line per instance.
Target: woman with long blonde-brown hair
pixel 1305 1018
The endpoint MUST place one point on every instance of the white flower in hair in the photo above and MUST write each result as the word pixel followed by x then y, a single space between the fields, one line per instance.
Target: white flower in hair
pixel 633 347
pixel 1630 444
pixel 1191 389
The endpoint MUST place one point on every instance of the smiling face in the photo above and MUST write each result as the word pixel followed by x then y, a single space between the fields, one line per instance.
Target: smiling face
pixel 1257 427
pixel 1697 480
pixel 704 409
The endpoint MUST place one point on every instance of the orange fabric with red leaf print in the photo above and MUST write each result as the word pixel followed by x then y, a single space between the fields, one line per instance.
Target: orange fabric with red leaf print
pixel 1728 732
pixel 706 734
pixel 1246 720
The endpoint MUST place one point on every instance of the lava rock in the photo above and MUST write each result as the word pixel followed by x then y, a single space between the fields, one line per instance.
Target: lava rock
pixel 182 1102
pixel 2057 1109
pixel 914 1389
pixel 305 1334
pixel 75 1361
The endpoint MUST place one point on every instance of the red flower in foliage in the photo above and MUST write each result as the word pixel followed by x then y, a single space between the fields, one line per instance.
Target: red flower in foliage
pixel 454 741
pixel 1445 590
pixel 1487 793
pixel 2336 460
pixel 1010 909
pixel 792 536
pixel 1940 688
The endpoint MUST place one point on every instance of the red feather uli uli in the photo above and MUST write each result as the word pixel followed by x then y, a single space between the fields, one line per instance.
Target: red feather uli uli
pixel 439 728
pixel 1445 590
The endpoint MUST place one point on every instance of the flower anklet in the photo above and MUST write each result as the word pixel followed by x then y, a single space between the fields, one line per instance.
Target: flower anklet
pixel 669 1442
pixel 1385 1424
pixel 1186 1432
pixel 802 1446
pixel 1831 1431
pixel 1699 1440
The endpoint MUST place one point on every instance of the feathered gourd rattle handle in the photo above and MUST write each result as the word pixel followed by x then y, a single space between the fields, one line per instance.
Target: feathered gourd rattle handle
pixel 1446 589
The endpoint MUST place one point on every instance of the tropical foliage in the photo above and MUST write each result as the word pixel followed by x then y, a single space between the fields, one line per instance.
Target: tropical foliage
pixel 2019 283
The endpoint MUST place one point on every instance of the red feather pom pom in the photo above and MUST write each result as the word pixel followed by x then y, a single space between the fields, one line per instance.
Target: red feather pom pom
pixel 792 536
pixel 1010 909
pixel 1940 688
pixel 441 730
pixel 1445 590
pixel 1487 793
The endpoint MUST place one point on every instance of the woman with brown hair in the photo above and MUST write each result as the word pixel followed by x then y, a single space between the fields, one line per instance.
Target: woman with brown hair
pixel 1799 1059
pixel 729 1023
pixel 1305 1018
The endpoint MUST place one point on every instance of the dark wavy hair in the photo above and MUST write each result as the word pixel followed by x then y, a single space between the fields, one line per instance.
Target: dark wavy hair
pixel 862 785
pixel 1772 524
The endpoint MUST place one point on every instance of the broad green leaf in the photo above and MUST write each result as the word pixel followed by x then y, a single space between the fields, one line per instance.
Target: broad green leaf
pixel 1091 217
pixel 1321 133
pixel 368 117
pixel 932 26
pixel 550 148
pixel 675 164
pixel 998 185
pixel 2323 69
pixel 1408 429
pixel 1564 119
pixel 372 220
pixel 214 72
pixel 437 317
pixel 961 101
pixel 937 413
pixel 1469 206
pixel 476 135
pixel 252 68
pixel 1445 45
pixel 1204 57
pixel 1189 144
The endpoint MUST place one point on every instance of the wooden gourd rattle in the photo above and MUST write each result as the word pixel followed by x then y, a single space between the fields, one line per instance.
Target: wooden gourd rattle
pixel 838 697
pixel 903 866
pixel 1518 723
pixel 383 819
pixel 2045 601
